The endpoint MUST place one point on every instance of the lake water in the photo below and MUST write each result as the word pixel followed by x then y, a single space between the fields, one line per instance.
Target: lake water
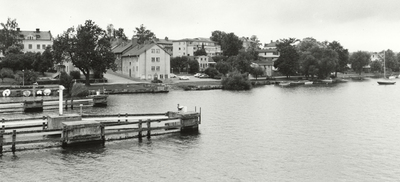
pixel 339 132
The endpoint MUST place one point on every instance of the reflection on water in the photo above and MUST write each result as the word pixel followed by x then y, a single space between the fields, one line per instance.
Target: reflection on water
pixel 343 132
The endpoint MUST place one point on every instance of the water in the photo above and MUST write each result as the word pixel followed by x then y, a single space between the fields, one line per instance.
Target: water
pixel 343 132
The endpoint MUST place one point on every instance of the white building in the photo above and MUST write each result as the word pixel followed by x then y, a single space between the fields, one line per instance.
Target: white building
pixel 187 47
pixel 35 41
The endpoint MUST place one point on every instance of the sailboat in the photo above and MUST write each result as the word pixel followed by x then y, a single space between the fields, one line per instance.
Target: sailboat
pixel 385 81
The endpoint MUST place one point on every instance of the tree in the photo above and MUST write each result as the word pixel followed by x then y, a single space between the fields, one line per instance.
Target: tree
pixel 288 61
pixel 343 56
pixel 223 67
pixel 257 71
pixel 358 60
pixel 231 44
pixel 143 35
pixel 43 61
pixel 200 52
pixel 376 66
pixel 9 35
pixel 391 61
pixel 242 62
pixel 179 63
pixel 193 66
pixel 88 48
pixel 217 36
pixel 6 73
pixel 236 81
pixel 211 71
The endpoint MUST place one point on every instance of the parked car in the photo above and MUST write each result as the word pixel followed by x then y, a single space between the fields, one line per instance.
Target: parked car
pixel 183 78
pixel 204 76
pixel 197 75
pixel 172 75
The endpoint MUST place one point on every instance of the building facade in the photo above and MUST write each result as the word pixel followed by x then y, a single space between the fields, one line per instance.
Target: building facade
pixel 204 62
pixel 187 47
pixel 147 62
pixel 35 41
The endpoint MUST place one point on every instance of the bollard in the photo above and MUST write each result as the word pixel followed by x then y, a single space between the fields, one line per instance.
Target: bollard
pixel 81 105
pixel 103 134
pixel 126 114
pixel 140 130
pixel 148 128
pixel 14 138
pixel 44 125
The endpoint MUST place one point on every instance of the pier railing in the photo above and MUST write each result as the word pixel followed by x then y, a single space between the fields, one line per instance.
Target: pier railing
pixel 29 132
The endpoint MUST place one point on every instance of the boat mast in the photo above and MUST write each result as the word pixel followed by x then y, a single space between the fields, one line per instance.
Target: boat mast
pixel 384 66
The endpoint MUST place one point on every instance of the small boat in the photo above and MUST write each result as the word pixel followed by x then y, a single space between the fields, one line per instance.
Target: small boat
pixel 308 83
pixel 284 84
pixel 386 81
pixel 296 83
pixel 327 81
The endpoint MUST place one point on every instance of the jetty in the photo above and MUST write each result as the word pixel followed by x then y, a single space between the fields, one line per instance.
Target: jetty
pixel 64 130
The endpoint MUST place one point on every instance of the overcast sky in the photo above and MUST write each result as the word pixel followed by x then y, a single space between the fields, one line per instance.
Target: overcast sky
pixel 367 25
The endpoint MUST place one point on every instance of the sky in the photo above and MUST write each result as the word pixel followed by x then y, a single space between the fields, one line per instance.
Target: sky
pixel 358 25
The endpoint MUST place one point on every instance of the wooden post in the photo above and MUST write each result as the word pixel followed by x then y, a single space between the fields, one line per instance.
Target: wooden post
pixel 118 117
pixel 66 104
pixel 126 120
pixel 14 138
pixel 72 104
pixel 140 130
pixel 200 116
pixel 103 134
pixel 1 142
pixel 81 105
pixel 148 128
pixel 44 125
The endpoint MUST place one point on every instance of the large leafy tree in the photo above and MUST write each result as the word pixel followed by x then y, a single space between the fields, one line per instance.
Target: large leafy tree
pixel 223 67
pixel 116 34
pixel 193 66
pixel 343 56
pixel 288 61
pixel 201 52
pixel 358 60
pixel 391 61
pixel 217 36
pixel 179 63
pixel 9 35
pixel 43 61
pixel 231 44
pixel 88 48
pixel 143 35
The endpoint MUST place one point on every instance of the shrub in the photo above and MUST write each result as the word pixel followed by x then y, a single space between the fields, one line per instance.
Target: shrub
pixel 236 81
pixel 79 90
pixel 156 81
pixel 75 74
pixel 66 81
pixel 6 73
pixel 211 71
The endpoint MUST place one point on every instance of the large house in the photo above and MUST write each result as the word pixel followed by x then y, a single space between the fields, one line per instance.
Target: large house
pixel 187 47
pixel 267 57
pixel 204 61
pixel 120 49
pixel 146 61
pixel 35 41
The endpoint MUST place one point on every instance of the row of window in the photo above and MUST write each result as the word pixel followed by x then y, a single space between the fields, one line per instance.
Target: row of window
pixel 155 51
pixel 30 46
pixel 155 68
pixel 155 59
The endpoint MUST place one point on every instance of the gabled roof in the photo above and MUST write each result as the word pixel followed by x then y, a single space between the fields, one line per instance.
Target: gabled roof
pixel 122 47
pixel 38 35
pixel 141 48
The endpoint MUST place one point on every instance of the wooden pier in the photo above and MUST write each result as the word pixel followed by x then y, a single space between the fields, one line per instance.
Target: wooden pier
pixel 32 133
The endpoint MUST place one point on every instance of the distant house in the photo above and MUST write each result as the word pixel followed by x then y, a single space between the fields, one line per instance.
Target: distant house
pixel 204 61
pixel 247 42
pixel 187 47
pixel 267 57
pixel 146 61
pixel 120 49
pixel 35 41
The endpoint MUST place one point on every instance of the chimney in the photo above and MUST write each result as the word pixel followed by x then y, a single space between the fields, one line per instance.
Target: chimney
pixel 37 30
pixel 18 30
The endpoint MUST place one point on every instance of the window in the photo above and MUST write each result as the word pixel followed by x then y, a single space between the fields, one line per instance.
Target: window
pixel 43 46
pixel 161 76
pixel 157 50
pixel 152 51
pixel 153 59
pixel 179 48
pixel 158 68
pixel 158 59
pixel 30 46
pixel 38 46
pixel 153 68
pixel 275 53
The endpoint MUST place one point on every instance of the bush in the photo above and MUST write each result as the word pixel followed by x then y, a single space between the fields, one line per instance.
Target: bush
pixel 75 74
pixel 236 81
pixel 79 90
pixel 156 81
pixel 6 73
pixel 66 81
pixel 211 71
